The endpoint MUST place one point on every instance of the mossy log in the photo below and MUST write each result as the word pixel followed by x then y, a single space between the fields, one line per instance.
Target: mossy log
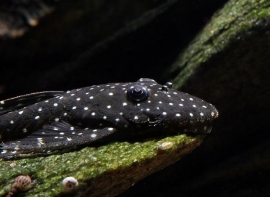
pixel 101 171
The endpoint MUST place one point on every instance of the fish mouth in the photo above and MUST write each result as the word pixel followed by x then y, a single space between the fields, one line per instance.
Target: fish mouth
pixel 196 127
pixel 196 122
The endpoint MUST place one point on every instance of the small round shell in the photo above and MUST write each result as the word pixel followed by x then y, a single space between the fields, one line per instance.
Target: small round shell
pixel 70 184
pixel 21 183
pixel 165 146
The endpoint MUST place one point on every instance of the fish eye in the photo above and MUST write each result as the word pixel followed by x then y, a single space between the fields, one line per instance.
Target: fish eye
pixel 137 93
pixel 168 84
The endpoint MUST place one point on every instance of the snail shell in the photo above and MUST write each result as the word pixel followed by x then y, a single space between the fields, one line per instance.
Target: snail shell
pixel 70 184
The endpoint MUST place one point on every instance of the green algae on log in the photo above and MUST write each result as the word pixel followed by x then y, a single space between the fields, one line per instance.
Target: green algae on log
pixel 105 170
pixel 236 22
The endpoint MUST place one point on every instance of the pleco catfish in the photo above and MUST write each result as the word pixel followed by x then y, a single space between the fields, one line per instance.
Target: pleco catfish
pixel 46 121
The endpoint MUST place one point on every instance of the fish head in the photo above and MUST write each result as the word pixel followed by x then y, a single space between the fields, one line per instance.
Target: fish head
pixel 147 105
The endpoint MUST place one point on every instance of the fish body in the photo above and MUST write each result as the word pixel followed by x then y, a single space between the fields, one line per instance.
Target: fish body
pixel 46 121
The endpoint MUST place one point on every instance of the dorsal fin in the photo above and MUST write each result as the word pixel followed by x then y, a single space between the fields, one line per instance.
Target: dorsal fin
pixel 19 102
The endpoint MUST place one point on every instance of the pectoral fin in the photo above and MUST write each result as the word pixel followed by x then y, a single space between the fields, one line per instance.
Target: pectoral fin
pixel 58 135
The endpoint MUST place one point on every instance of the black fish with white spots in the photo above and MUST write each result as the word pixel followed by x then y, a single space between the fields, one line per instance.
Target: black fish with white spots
pixel 47 121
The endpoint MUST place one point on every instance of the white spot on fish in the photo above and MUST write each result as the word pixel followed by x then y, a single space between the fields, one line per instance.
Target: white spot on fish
pixel 4 151
pixel 17 147
pixel 37 117
pixel 93 135
pixel 40 140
